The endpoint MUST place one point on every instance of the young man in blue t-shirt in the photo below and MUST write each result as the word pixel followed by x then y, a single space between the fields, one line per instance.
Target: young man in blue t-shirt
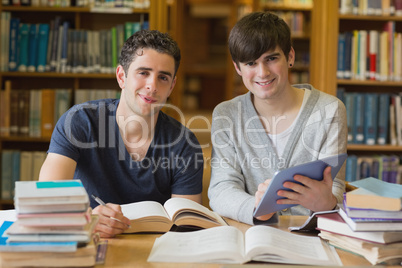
pixel 127 150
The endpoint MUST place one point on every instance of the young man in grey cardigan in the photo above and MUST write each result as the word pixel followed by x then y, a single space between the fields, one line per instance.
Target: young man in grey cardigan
pixel 274 126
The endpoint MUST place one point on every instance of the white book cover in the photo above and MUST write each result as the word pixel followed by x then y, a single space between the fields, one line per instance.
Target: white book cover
pixel 50 192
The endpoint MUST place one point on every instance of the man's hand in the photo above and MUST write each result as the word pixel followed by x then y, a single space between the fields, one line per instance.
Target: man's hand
pixel 111 220
pixel 311 194
pixel 262 187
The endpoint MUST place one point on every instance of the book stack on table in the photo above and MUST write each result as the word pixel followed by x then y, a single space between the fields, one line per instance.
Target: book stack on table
pixel 369 223
pixel 53 227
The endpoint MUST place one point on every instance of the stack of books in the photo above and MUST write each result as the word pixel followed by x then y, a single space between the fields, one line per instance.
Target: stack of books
pixel 369 223
pixel 53 226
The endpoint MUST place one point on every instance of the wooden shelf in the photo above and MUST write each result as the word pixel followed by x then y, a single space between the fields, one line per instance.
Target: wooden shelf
pixel 369 18
pixel 379 148
pixel 369 82
pixel 68 9
pixel 58 75
pixel 287 7
pixel 23 139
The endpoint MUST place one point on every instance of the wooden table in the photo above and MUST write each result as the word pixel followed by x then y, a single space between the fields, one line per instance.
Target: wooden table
pixel 132 250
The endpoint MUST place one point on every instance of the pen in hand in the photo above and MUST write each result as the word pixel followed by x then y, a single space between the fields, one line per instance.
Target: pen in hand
pixel 100 202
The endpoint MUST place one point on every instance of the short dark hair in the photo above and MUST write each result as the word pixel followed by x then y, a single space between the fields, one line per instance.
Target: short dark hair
pixel 153 39
pixel 257 33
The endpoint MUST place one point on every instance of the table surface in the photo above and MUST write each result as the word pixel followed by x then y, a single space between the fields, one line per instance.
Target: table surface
pixel 132 250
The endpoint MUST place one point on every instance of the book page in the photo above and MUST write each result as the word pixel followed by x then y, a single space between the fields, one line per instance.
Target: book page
pixel 264 243
pixel 224 244
pixel 143 209
pixel 175 206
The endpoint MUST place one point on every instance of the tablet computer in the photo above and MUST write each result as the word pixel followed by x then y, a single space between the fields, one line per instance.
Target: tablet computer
pixel 312 170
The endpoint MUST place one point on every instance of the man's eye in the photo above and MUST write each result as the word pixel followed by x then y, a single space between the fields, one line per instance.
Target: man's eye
pixel 164 78
pixel 250 63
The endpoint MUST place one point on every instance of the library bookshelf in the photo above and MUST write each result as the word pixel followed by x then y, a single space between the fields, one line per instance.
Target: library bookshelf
pixel 83 18
pixel 328 23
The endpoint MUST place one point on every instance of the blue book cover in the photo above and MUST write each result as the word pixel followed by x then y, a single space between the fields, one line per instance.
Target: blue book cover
pixel 42 46
pixel 371 114
pixel 383 118
pixel 23 38
pixel 358 127
pixel 340 94
pixel 13 45
pixel 136 27
pixel 350 106
pixel 33 47
pixel 32 246
pixel 347 74
pixel 145 25
pixel 341 56
pixel 351 163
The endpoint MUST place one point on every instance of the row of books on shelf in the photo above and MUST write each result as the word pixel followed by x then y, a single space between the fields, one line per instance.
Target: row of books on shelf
pixel 19 165
pixel 383 167
pixel 297 3
pixel 138 4
pixel 370 55
pixel 34 113
pixel 57 47
pixel 53 224
pixel 297 22
pixel 368 223
pixel 371 7
pixel 373 118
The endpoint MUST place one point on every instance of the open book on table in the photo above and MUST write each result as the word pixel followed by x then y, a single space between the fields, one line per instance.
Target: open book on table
pixel 151 216
pixel 227 244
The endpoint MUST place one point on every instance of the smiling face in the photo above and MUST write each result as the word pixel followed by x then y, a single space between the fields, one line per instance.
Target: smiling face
pixel 267 76
pixel 147 84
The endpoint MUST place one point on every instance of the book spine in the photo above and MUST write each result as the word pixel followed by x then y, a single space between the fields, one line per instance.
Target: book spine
pixel 341 56
pixel 351 163
pixel 14 110
pixel 5 40
pixel 6 174
pixel 33 47
pixel 348 54
pixel 13 46
pixel 15 170
pixel 26 166
pixel 114 47
pixel 359 119
pixel 64 48
pixel 35 105
pixel 5 108
pixel 371 114
pixel 23 113
pixel 350 107
pixel 43 40
pixel 373 36
pixel 47 118
pixel 383 118
pixel 55 40
pixel 23 47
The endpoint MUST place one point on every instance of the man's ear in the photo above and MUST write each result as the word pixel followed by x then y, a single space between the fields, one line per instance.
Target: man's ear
pixel 120 76
pixel 291 56
pixel 237 68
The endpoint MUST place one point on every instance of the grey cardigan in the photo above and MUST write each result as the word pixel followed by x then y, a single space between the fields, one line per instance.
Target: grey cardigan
pixel 243 155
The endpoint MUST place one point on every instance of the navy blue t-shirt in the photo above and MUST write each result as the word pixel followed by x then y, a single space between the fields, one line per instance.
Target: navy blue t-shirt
pixel 88 133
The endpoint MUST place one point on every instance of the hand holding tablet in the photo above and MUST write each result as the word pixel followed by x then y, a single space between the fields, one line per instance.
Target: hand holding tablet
pixel 313 170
